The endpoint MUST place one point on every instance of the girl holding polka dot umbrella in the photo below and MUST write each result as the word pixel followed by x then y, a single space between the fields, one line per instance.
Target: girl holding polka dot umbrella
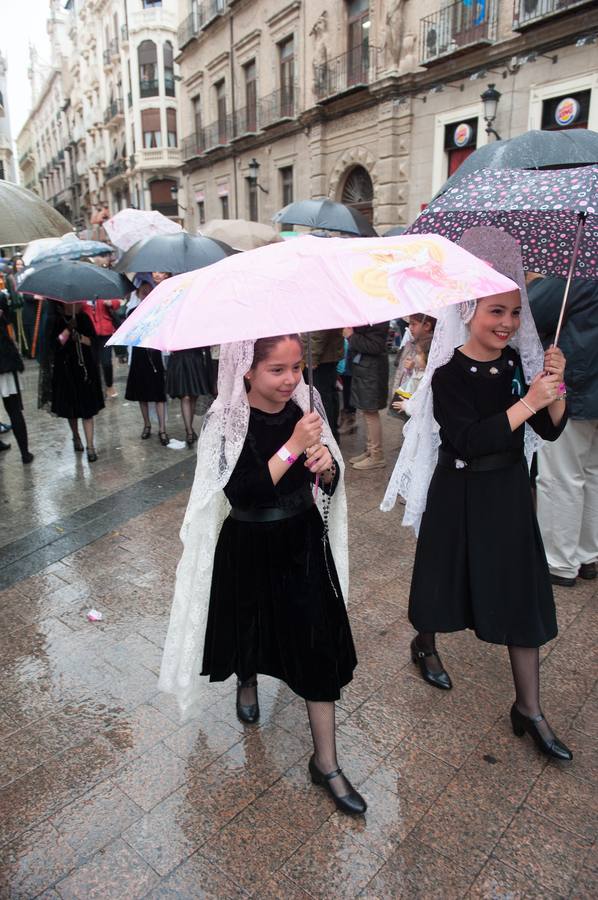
pixel 553 214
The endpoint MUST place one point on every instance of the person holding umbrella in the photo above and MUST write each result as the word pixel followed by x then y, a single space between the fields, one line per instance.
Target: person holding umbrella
pixel 10 366
pixel 486 569
pixel 275 602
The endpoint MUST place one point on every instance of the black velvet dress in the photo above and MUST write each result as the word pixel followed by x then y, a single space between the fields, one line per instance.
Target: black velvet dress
pixel 146 380
pixel 276 606
pixel 76 383
pixel 189 373
pixel 480 560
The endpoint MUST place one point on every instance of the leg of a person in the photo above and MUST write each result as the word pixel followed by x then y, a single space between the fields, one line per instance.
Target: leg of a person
pixel 347 394
pixel 74 426
pixel 322 725
pixel 525 665
pixel 161 413
pixel 106 358
pixel 560 492
pixel 144 407
pixel 188 412
pixel 374 426
pixel 12 405
pixel 88 429
pixel 588 539
pixel 426 641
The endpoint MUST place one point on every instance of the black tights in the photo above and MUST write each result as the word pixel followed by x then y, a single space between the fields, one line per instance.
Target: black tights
pixel 12 405
pixel 323 731
pixel 188 412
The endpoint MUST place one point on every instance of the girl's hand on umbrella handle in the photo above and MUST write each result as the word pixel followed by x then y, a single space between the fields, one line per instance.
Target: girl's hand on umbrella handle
pixel 555 362
pixel 307 432
pixel 320 460
pixel 543 391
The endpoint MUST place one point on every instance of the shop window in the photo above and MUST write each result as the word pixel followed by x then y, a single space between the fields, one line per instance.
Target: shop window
pixel 460 140
pixel 161 196
pixel 566 111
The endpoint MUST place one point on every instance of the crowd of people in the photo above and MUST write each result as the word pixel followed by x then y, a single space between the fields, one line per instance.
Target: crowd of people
pixel 261 588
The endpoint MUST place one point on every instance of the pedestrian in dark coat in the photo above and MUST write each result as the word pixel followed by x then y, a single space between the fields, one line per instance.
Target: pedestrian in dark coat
pixel 10 366
pixel 369 388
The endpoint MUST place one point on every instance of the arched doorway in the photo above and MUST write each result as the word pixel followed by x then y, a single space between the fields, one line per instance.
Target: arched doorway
pixel 358 191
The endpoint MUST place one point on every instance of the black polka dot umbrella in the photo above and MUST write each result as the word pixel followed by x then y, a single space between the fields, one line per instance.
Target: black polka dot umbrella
pixel 553 214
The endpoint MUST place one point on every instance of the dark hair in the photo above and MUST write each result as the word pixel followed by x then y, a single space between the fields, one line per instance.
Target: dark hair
pixel 423 318
pixel 263 347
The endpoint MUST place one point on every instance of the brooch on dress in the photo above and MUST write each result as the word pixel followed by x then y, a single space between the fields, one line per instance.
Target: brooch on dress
pixel 493 370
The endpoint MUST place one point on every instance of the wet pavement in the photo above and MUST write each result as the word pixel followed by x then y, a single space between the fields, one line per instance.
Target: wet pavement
pixel 103 793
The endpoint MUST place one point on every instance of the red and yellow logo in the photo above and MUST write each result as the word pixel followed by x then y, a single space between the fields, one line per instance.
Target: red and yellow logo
pixel 567 111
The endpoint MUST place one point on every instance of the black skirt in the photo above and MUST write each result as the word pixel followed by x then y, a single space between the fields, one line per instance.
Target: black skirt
pixel 189 373
pixel 145 382
pixel 276 610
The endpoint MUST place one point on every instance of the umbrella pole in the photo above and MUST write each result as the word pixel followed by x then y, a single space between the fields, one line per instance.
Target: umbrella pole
pixel 310 372
pixel 578 237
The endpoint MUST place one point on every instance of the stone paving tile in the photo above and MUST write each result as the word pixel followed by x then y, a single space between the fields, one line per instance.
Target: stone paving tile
pixel 196 879
pixel 545 853
pixel 497 880
pixel 417 871
pixel 113 873
pixel 332 863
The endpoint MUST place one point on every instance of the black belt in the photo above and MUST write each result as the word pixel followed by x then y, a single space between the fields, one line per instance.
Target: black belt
pixel 271 513
pixel 480 463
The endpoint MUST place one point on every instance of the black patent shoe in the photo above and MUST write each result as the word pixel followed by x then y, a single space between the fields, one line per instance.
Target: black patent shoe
pixel 77 445
pixel 163 438
pixel 191 438
pixel 351 803
pixel 146 433
pixel 436 679
pixel 554 747
pixel 247 713
pixel 92 456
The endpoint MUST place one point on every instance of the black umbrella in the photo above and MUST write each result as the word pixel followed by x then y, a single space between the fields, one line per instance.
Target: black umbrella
pixel 396 231
pixel 327 215
pixel 174 253
pixel 72 282
pixel 532 150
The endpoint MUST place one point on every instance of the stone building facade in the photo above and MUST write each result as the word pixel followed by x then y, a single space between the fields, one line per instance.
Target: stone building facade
pixel 7 164
pixel 104 130
pixel 371 103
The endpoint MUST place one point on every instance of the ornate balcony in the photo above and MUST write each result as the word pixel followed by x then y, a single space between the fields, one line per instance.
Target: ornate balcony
pixel 201 16
pixel 354 69
pixel 279 105
pixel 149 88
pixel 456 27
pixel 529 12
pixel 115 169
pixel 114 111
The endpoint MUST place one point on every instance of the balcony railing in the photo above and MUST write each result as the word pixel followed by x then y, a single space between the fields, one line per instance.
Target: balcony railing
pixel 353 69
pixel 113 110
pixel 200 17
pixel 281 104
pixel 528 12
pixel 149 88
pixel 275 107
pixel 169 89
pixel 457 26
pixel 118 167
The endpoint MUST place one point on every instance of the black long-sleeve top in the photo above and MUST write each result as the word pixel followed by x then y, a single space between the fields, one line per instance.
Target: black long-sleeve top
pixel 471 400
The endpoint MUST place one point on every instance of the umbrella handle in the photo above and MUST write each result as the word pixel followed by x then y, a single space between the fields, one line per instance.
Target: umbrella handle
pixel 578 236
pixel 310 372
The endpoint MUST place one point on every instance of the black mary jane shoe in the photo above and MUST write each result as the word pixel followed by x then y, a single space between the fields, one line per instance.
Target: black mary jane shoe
pixel 145 434
pixel 554 748
pixel 352 803
pixel 436 679
pixel 78 445
pixel 191 438
pixel 92 456
pixel 248 713
pixel 164 439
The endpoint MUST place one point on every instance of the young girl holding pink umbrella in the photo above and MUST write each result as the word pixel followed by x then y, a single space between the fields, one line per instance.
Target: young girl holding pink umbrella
pixel 487 381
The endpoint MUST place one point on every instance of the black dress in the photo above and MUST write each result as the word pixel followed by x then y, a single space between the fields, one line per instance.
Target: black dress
pixel 276 606
pixel 145 382
pixel 189 373
pixel 480 561
pixel 76 384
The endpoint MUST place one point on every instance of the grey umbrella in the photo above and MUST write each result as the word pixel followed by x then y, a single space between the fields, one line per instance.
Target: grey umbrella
pixel 174 253
pixel 326 215
pixel 26 217
pixel 73 281
pixel 396 231
pixel 531 150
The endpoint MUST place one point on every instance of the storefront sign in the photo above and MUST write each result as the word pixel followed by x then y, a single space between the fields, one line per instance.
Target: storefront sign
pixel 567 111
pixel 462 135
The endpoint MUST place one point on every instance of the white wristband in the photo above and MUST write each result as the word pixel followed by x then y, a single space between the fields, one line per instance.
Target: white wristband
pixel 285 454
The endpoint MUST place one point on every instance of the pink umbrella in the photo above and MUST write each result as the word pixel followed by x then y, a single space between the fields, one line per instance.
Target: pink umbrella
pixel 308 285
pixel 131 225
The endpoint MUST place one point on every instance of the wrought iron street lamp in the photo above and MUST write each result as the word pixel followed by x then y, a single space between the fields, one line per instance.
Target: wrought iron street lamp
pixel 490 99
